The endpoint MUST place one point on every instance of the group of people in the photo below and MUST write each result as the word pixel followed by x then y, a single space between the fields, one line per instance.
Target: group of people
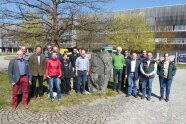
pixel 71 70
pixel 138 73
pixel 28 69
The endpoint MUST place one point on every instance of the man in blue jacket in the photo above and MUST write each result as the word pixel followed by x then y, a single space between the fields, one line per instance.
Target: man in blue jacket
pixel 166 70
pixel 18 73
pixel 132 70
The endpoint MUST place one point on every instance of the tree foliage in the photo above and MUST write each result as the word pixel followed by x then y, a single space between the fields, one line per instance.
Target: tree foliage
pixel 131 32
pixel 31 32
pixel 51 15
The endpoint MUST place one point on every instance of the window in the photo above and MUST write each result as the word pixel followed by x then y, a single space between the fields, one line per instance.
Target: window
pixel 180 28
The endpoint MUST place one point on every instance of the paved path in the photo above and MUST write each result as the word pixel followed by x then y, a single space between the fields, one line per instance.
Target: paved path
pixel 118 110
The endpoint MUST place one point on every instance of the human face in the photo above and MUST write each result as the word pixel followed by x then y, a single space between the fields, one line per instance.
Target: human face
pixel 49 48
pixel 118 50
pixel 23 49
pixel 166 57
pixel 54 55
pixel 19 54
pixel 65 57
pixel 83 53
pixel 134 56
pixel 126 53
pixel 149 56
pixel 55 49
pixel 38 50
pixel 75 51
pixel 144 53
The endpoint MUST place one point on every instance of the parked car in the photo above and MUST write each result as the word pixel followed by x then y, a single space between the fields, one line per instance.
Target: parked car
pixel 182 58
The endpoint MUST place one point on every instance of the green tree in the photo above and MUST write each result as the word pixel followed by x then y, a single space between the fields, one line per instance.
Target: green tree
pixel 31 31
pixel 131 32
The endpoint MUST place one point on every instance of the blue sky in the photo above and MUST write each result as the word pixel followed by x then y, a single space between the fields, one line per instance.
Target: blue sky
pixel 116 5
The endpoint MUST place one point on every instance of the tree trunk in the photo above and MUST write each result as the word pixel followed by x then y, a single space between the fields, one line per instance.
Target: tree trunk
pixel 55 24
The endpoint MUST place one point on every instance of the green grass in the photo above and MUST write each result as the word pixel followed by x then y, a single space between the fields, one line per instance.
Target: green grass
pixel 45 104
pixel 5 90
pixel 181 66
pixel 9 57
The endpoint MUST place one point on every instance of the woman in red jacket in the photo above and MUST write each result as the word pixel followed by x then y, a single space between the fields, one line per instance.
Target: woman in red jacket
pixel 53 73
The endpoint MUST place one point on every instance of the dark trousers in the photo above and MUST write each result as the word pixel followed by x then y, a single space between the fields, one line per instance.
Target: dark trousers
pixel 65 86
pixel 165 83
pixel 117 78
pixel 34 88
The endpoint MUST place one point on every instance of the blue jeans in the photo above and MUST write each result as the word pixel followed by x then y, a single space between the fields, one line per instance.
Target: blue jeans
pixel 147 82
pixel 51 82
pixel 117 78
pixel 132 78
pixel 81 76
pixel 165 83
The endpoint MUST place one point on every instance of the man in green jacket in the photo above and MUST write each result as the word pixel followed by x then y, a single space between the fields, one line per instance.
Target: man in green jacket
pixel 166 70
pixel 118 62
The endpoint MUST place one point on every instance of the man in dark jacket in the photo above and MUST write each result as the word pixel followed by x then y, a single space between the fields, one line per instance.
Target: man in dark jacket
pixel 37 64
pixel 148 69
pixel 72 59
pixel 166 70
pixel 132 70
pixel 143 57
pixel 124 82
pixel 18 73
pixel 67 74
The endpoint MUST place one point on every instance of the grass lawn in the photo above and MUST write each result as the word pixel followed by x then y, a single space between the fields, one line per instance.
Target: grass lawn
pixel 9 57
pixel 45 103
pixel 181 66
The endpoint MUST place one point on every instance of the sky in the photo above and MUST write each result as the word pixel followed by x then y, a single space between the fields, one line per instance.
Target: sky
pixel 117 5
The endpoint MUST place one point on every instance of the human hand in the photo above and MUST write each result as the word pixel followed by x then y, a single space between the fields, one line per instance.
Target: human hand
pixel 87 73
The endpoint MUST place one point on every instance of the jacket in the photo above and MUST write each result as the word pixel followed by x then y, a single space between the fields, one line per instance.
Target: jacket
pixel 53 67
pixel 36 68
pixel 67 70
pixel 137 68
pixel 171 70
pixel 73 58
pixel 148 69
pixel 14 73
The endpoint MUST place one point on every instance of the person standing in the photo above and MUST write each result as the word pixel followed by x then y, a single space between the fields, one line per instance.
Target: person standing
pixel 37 64
pixel 124 82
pixel 143 57
pixel 82 71
pixel 166 70
pixel 25 53
pixel 132 72
pixel 25 57
pixel 48 52
pixel 53 73
pixel 18 74
pixel 72 59
pixel 148 69
pixel 67 71
pixel 118 62
pixel 58 54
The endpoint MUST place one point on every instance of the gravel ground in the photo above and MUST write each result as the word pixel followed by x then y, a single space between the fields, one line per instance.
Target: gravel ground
pixel 116 110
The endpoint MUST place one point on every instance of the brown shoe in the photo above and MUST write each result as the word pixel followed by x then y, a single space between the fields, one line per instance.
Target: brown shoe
pixel 25 106
pixel 13 108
